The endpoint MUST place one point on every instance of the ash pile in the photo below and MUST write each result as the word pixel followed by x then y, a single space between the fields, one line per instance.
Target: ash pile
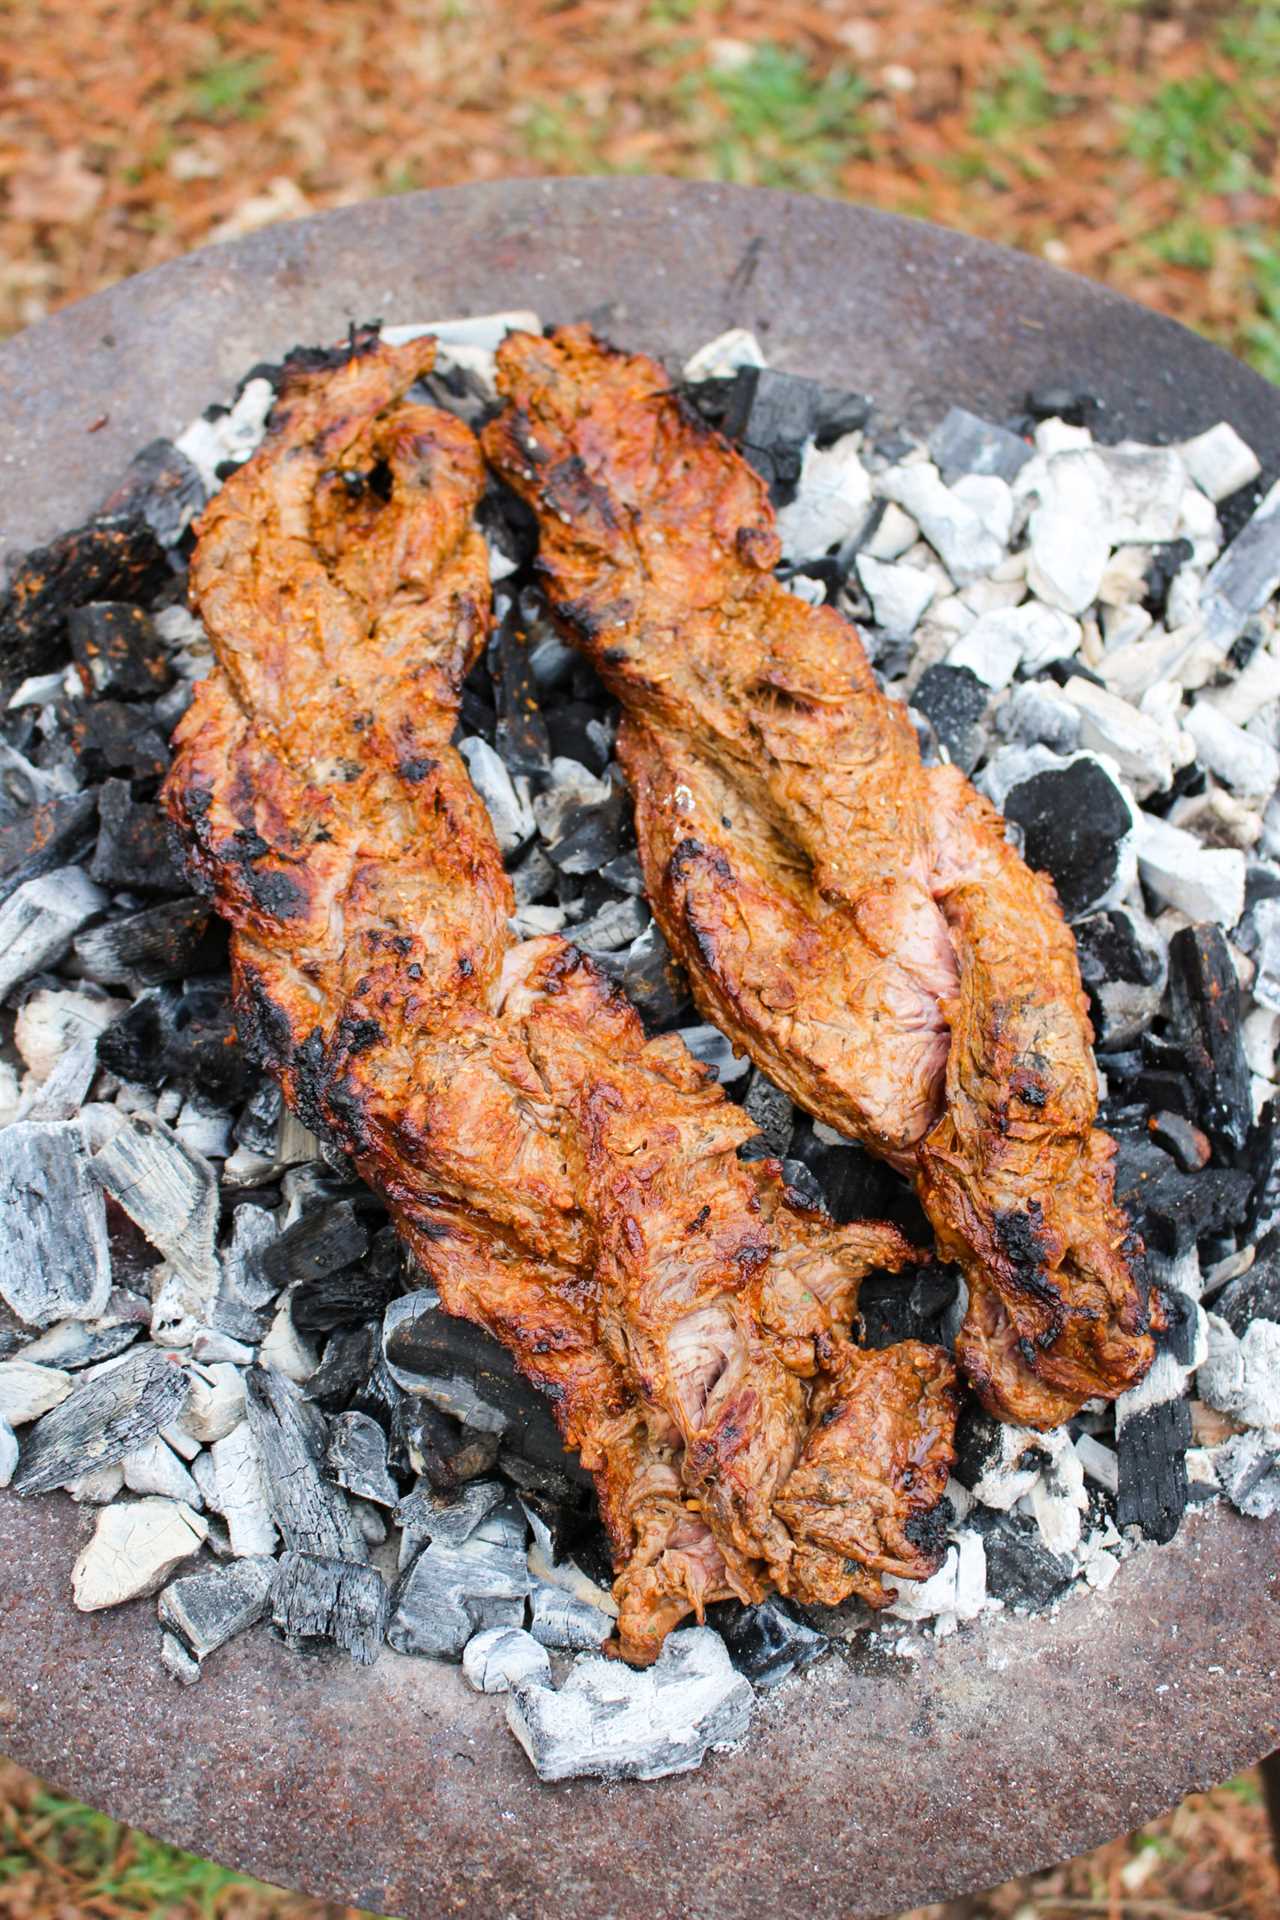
pixel 212 1338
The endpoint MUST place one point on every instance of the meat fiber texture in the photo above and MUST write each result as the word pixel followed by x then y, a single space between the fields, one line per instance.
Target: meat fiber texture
pixel 565 1182
pixel 855 921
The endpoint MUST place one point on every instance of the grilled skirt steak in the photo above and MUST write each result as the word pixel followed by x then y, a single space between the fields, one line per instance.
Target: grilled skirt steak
pixel 563 1181
pixel 854 921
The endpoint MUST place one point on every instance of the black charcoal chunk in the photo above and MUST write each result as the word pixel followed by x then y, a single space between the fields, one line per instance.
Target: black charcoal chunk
pixel 626 874
pixel 520 735
pixel 962 442
pixel 1245 576
pixel 1205 999
pixel 1172 1209
pixel 767 1642
pixel 1122 965
pixel 466 1373
pixel 55 833
pixel 322 1242
pixel 111 736
pixel 1179 1136
pixel 258 1125
pixel 1021 1571
pixel 575 730
pixel 162 943
pixel 954 700
pixel 103 1419
pixel 803 1186
pixel 590 834
pixel 907 1306
pixel 316 1597
pixel 55 1257
pixel 438 1603
pixel 1061 401
pixel 349 1357
pixel 439 1448
pixel 771 415
pixel 1151 1447
pixel 650 977
pixel 133 853
pixel 357 1457
pixel 615 924
pixel 162 487
pixel 186 1037
pixel 1254 1295
pixel 311 1513
pixel 118 558
pixel 1178 1337
pixel 118 652
pixel 771 1111
pixel 448 1519
pixel 1076 821
pixel 205 1610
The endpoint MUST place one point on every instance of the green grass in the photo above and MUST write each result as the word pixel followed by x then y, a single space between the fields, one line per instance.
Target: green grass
pixel 783 125
pixel 1200 131
pixel 1262 332
pixel 231 89
pixel 109 1862
pixel 563 139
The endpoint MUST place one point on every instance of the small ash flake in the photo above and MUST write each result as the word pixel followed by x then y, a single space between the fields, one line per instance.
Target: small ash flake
pixel 210 1337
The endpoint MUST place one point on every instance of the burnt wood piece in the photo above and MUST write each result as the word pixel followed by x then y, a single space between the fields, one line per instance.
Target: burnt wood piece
pixel 162 487
pixel 118 651
pixel 1172 1209
pixel 186 1036
pixel 102 1420
pixel 114 558
pixel 53 834
pixel 521 732
pixel 1151 1447
pixel 1205 995
pixel 311 1513
pixel 322 1242
pixel 167 942
pixel 114 736
pixel 134 851
pixel 317 1597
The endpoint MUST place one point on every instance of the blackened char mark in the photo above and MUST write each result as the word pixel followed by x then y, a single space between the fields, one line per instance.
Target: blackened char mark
pixel 1019 1235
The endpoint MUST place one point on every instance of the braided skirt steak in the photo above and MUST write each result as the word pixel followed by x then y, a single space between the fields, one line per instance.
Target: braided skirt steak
pixel 565 1182
pixel 856 922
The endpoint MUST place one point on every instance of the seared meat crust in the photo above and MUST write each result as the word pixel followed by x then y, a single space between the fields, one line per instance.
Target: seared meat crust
pixel 567 1184
pixel 856 922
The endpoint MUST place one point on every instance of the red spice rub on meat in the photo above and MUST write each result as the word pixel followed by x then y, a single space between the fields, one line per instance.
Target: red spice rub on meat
pixel 563 1181
pixel 854 921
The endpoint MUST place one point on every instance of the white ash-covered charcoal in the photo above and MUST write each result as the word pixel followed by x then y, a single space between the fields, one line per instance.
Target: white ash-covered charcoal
pixel 508 809
pixel 899 595
pixel 171 1194
pixel 1142 487
pixel 1263 941
pixel 113 557
pixel 107 1415
pixel 25 786
pixel 51 1020
pixel 245 1293
pixel 1243 698
pixel 55 1257
pixel 1145 746
pixel 1243 761
pixel 720 358
pixel 1036 713
pixel 134 851
pixel 956 1592
pixel 98 1487
pixel 781 420
pixel 1124 969
pixel 649 977
pixel 228 434
pixel 1219 461
pixel 8 1452
pixel 312 1514
pixel 768 1642
pixel 177 1661
pixel 183 1037
pixel 501 1657
pixel 238 1492
pixel 41 918
pixel 1205 1010
pixel 29 1390
pixel 318 1598
pixel 216 1404
pixel 1020 1569
pixel 1254 1293
pixel 614 1722
pixel 161 486
pixel 716 1051
pixel 117 651
pixel 963 442
pixel 63 1094
pixel 211 1347
pixel 1098 1461
pixel 1009 639
pixel 156 1468
pixel 427 1515
pixel 205 1128
pixel 1246 575
pixel 1058 1499
pixel 1206 883
pixel 997 1463
pixel 434 1608
pixel 207 1609
pixel 580 816
pixel 565 1575
pixel 953 527
pixel 136 1545
pixel 357 1459
pixel 1078 825
pixel 559 1619
pixel 56 832
pixel 534 878
pixel 167 942
pixel 1241 1376
pixel 1247 1468
pixel 616 924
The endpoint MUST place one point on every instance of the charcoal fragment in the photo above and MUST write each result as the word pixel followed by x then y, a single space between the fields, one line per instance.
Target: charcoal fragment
pixel 320 1243
pixel 493 1661
pixel 1254 1295
pixel 767 1642
pixel 55 833
pixel 357 1459
pixel 291 1439
pixel 1122 965
pixel 258 1125
pixel 1205 999
pixel 183 1037
pixel 1178 1136
pixel 205 1610
pixel 55 1257
pixel 907 1306
pixel 438 1447
pixel 560 1620
pixel 650 977
pixel 162 487
pixel 103 1419
pixel 426 1515
pixel 112 558
pixel 436 1605
pixel 348 1359
pixel 118 651
pixel 1077 824
pixel 40 919
pixel 111 736
pixel 168 942
pixel 172 1195
pixel 1151 1449
pixel 521 732
pixel 574 732
pixel 135 1547
pixel 1020 1569
pixel 771 1111
pixel 322 1598
pixel 1172 1209
pixel 954 700
pixel 133 853
pixel 963 442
